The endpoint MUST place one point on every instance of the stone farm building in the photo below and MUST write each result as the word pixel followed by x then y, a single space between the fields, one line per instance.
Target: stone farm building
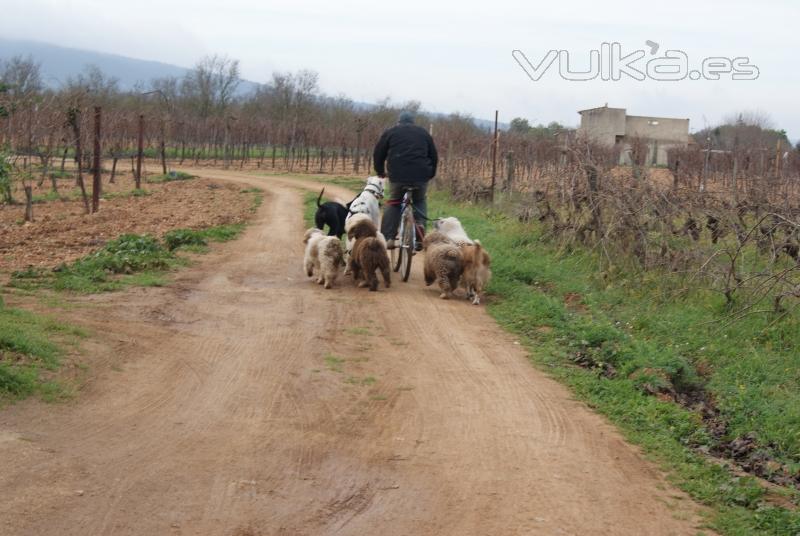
pixel 614 127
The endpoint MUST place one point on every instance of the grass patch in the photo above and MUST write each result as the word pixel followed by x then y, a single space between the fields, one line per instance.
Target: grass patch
pixel 136 192
pixel 198 239
pixel 169 177
pixel 30 344
pixel 185 238
pixel 358 331
pixel 130 260
pixel 109 268
pixel 355 380
pixel 62 195
pixel 334 363
pixel 50 196
pixel 617 340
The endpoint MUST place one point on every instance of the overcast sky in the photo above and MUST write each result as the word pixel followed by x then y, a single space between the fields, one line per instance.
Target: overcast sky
pixel 453 56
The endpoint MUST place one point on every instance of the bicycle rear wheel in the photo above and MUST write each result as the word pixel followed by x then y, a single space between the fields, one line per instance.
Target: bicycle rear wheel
pixel 406 244
pixel 394 254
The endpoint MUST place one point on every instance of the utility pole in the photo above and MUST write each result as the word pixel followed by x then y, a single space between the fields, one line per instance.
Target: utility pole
pixel 705 164
pixel 494 157
pixel 163 148
pixel 734 181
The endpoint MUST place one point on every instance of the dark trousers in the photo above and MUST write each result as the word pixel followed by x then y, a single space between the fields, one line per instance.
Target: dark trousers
pixel 394 208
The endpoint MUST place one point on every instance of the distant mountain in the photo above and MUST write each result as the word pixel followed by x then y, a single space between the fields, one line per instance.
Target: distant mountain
pixel 59 63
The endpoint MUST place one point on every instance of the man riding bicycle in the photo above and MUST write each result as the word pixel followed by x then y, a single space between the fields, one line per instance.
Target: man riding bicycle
pixel 411 156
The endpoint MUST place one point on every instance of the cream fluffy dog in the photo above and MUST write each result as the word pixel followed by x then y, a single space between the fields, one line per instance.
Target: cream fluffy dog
pixel 451 227
pixel 475 258
pixel 323 255
pixel 476 274
pixel 443 263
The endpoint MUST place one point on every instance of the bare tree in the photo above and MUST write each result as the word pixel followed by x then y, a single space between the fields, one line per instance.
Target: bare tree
pixel 92 81
pixel 212 84
pixel 22 76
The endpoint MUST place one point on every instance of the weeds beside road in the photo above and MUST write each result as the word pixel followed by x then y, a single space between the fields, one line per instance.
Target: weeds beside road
pixel 639 356
pixel 707 399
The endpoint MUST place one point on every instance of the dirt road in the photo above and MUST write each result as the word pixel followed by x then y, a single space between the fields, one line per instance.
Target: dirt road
pixel 246 400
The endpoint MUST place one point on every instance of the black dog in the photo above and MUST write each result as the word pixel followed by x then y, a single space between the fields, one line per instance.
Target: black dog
pixel 331 214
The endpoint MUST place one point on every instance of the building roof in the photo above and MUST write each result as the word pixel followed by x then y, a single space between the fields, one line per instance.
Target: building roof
pixel 627 115
pixel 659 118
pixel 600 108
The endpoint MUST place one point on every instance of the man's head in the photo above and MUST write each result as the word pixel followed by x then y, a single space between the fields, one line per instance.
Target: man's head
pixel 406 118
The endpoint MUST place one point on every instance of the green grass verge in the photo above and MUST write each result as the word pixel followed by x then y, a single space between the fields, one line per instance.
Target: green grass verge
pixel 354 184
pixel 29 345
pixel 309 208
pixel 258 197
pixel 752 368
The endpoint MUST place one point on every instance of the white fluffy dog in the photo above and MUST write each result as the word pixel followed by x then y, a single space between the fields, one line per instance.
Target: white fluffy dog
pixel 452 229
pixel 323 255
pixel 368 201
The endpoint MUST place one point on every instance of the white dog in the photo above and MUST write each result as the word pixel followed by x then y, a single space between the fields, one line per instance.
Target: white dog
pixel 367 204
pixel 368 201
pixel 452 229
pixel 323 255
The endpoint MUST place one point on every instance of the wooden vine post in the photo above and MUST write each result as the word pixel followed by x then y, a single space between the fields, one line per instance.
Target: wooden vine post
pixel 96 165
pixel 140 152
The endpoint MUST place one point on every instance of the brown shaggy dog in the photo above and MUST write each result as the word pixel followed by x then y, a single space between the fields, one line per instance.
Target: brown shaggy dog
pixel 476 272
pixel 368 255
pixel 443 263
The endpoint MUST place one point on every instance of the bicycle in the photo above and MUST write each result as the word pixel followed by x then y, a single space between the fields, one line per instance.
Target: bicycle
pixel 408 236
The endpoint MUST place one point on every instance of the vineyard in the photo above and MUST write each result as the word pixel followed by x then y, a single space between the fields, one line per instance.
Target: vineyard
pixel 726 217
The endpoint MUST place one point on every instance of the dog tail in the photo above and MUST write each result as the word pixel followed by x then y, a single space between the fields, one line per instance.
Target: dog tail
pixel 320 198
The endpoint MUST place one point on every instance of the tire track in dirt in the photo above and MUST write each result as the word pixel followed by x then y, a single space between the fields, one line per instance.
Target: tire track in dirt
pixel 218 414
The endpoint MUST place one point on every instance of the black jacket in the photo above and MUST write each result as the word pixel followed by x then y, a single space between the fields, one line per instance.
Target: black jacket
pixel 409 152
